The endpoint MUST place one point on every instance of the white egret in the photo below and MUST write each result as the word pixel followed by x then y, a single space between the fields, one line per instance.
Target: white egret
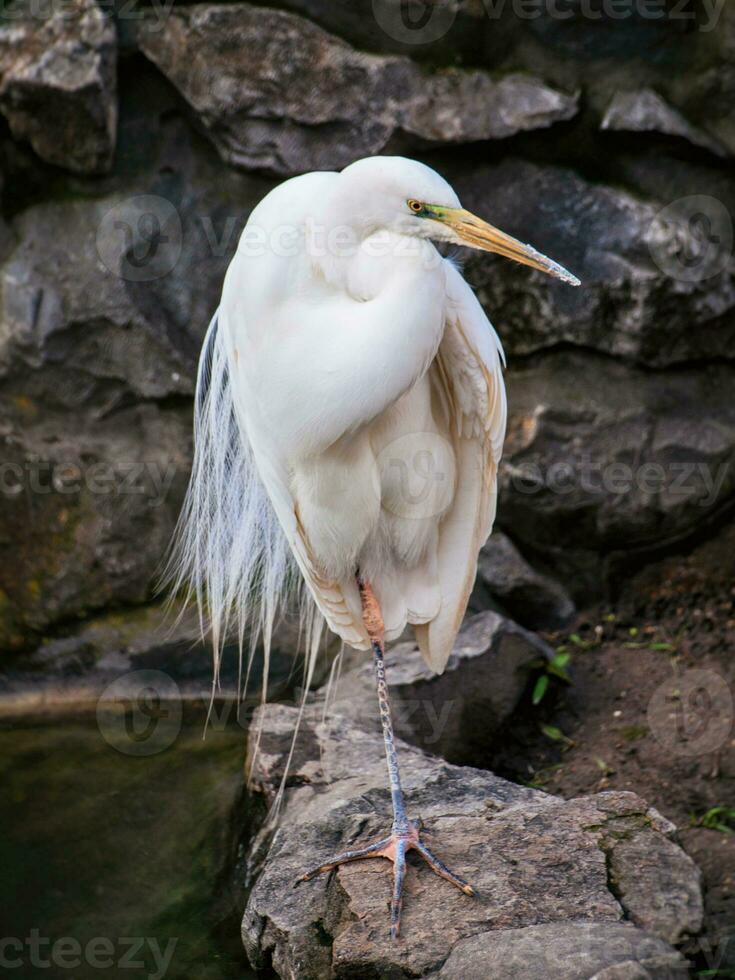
pixel 349 423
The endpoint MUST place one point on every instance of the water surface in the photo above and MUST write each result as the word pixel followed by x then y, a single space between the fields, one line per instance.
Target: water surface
pixel 120 860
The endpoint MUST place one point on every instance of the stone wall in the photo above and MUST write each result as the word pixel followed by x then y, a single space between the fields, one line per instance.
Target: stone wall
pixel 135 141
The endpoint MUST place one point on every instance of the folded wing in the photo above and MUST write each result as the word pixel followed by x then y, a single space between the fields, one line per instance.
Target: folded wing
pixel 467 375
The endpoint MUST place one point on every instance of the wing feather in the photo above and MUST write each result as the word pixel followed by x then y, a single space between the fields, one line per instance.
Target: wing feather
pixel 467 376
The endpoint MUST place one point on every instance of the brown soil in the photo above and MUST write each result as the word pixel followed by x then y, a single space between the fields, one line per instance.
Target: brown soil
pixel 635 717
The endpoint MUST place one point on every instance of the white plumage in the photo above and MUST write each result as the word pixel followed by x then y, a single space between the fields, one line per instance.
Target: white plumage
pixel 349 424
pixel 346 354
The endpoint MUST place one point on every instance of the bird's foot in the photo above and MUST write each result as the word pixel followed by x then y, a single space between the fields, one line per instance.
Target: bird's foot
pixel 401 840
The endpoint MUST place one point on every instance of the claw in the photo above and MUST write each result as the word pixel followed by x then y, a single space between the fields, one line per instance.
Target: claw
pixel 395 848
pixel 438 867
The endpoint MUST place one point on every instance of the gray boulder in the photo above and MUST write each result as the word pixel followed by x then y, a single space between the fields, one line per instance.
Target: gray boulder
pixel 117 655
pixel 536 601
pixel 564 951
pixel 88 511
pixel 639 861
pixel 643 110
pixel 103 304
pixel 706 93
pixel 650 293
pixel 604 464
pixel 95 468
pixel 58 82
pixel 546 905
pixel 73 317
pixel 456 714
pixel 304 99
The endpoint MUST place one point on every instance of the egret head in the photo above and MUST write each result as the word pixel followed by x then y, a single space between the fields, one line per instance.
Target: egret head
pixel 407 196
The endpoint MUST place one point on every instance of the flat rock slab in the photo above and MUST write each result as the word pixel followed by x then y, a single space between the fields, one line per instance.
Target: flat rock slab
pixel 118 656
pixel 304 99
pixel 644 111
pixel 548 906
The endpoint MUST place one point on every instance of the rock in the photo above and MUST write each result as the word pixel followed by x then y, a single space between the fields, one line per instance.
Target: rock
pixel 540 865
pixel 564 951
pixel 634 862
pixel 714 853
pixel 103 304
pixel 708 98
pixel 534 600
pixel 108 298
pixel 458 713
pixel 94 469
pixel 644 110
pixel 305 100
pixel 71 671
pixel 650 293
pixel 159 646
pixel 705 94
pixel 72 312
pixel 605 464
pixel 58 82
pixel 89 506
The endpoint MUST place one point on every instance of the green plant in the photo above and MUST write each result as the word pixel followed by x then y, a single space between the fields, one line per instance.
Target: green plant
pixel 557 735
pixel 555 667
pixel 577 640
pixel 720 818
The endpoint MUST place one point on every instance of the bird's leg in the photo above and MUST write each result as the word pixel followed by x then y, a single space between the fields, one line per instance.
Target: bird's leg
pixel 404 833
pixel 373 620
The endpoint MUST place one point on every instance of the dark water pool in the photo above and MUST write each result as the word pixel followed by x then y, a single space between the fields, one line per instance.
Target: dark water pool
pixel 112 865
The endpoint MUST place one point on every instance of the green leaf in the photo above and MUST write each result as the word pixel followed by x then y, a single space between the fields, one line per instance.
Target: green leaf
pixel 561 659
pixel 554 733
pixel 720 818
pixel 540 688
pixel 664 647
pixel 559 672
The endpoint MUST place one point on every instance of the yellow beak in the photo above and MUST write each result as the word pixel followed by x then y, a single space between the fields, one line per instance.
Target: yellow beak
pixel 473 231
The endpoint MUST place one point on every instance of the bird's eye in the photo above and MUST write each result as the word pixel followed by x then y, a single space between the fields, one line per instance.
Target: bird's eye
pixel 415 206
